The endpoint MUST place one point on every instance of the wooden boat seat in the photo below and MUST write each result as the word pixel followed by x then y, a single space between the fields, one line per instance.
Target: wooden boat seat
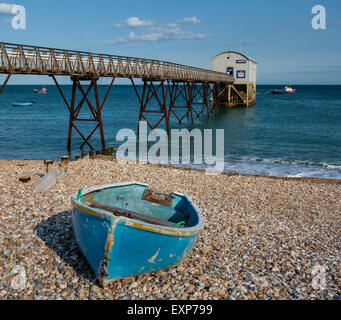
pixel 131 215
pixel 157 197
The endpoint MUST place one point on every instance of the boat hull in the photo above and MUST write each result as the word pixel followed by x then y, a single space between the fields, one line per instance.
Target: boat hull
pixel 130 247
pixel 22 104
pixel 282 92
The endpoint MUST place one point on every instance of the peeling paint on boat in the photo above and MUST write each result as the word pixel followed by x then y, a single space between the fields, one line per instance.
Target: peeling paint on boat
pixel 152 259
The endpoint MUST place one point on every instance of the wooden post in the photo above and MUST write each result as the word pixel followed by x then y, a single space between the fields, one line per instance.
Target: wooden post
pixel 47 163
pixel 229 95
pixel 212 97
pixel 64 160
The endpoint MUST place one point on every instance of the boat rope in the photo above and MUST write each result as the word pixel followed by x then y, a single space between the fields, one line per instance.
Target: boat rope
pixel 180 224
pixel 102 272
pixel 264 92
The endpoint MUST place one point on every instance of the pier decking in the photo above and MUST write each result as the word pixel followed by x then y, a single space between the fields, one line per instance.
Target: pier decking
pixel 168 84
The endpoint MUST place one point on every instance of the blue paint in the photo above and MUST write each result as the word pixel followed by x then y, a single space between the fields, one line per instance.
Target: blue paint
pixel 132 247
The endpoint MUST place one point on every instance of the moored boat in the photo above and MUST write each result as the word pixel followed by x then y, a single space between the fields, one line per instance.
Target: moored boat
pixel 43 90
pixel 286 90
pixel 22 104
pixel 127 229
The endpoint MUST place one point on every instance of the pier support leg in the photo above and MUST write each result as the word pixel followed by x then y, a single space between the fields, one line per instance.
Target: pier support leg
pixel 241 94
pixel 95 109
pixel 213 93
pixel 221 95
pixel 181 97
pixel 229 99
pixel 200 98
pixel 4 84
pixel 153 100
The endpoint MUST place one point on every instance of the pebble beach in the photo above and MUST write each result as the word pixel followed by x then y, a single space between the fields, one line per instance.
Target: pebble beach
pixel 264 237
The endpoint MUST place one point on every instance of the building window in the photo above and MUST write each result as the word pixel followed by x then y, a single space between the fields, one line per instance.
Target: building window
pixel 241 74
pixel 229 71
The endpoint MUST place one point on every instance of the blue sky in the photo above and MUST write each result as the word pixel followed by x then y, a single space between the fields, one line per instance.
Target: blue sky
pixel 277 34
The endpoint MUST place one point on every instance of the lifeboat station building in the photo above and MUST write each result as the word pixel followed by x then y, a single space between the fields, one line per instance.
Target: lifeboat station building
pixel 244 71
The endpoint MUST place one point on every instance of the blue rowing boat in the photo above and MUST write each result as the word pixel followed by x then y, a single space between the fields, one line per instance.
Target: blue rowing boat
pixel 126 229
pixel 22 104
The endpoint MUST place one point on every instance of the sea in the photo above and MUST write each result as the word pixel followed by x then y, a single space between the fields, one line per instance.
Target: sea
pixel 281 135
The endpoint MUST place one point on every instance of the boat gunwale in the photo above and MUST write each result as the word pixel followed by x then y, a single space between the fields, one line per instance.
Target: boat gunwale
pixel 103 214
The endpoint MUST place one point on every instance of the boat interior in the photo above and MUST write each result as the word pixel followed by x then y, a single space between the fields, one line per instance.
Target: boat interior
pixel 138 202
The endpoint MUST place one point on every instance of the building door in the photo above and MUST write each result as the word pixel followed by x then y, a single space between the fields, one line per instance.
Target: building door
pixel 229 71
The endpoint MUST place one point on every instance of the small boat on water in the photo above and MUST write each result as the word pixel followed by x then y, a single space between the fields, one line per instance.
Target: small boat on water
pixel 127 229
pixel 286 90
pixel 22 104
pixel 43 90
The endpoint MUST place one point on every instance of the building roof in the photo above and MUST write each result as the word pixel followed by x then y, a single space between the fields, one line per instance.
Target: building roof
pixel 242 54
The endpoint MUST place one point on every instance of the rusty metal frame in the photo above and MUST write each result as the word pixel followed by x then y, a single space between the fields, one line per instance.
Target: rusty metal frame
pixel 5 83
pixel 149 93
pixel 96 110
pixel 185 92
pixel 200 90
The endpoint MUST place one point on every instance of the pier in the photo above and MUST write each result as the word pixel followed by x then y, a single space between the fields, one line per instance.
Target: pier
pixel 164 83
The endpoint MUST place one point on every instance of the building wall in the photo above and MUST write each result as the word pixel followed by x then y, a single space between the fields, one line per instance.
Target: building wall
pixel 244 69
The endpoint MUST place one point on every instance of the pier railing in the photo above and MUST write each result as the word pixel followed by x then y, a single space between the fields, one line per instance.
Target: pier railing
pixel 25 59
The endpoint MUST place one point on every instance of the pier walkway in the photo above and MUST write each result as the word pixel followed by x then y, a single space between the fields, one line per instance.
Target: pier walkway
pixel 172 86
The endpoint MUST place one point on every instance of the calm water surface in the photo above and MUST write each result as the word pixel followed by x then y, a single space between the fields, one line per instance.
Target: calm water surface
pixel 298 135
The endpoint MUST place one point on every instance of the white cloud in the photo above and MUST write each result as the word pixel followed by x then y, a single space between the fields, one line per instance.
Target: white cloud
pixel 136 22
pixel 6 8
pixel 117 41
pixel 189 20
pixel 160 33
pixel 152 33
